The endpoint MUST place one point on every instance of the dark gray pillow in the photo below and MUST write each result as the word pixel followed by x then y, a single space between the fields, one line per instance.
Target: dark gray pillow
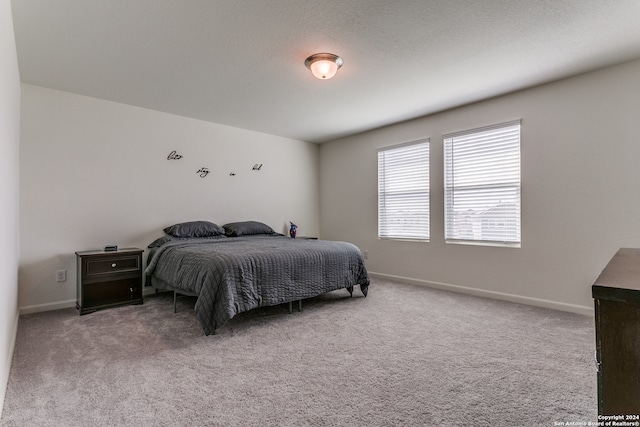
pixel 161 241
pixel 194 229
pixel 166 239
pixel 245 228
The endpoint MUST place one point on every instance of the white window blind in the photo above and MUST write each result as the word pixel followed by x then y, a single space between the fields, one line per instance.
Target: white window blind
pixel 403 191
pixel 482 185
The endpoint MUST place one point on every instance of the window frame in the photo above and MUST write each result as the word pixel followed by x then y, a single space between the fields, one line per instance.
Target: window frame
pixel 451 234
pixel 383 234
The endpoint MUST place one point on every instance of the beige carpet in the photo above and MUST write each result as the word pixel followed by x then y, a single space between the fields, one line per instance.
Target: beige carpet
pixel 403 356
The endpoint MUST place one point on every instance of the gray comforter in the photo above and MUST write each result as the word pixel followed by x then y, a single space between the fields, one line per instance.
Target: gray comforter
pixel 233 275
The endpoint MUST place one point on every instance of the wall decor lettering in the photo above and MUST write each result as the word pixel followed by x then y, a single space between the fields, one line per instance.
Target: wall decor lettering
pixel 232 174
pixel 174 156
pixel 257 167
pixel 203 172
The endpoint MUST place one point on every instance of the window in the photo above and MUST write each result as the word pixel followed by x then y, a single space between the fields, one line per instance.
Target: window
pixel 482 185
pixel 403 191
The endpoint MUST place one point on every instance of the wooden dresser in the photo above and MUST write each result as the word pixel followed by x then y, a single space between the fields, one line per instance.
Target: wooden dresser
pixel 108 279
pixel 616 294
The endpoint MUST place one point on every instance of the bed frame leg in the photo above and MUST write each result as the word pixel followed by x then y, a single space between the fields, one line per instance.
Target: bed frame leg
pixel 175 306
pixel 350 289
pixel 291 306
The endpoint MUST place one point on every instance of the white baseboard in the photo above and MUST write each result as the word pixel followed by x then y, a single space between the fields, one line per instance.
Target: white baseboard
pixel 47 307
pixel 4 381
pixel 38 308
pixel 490 294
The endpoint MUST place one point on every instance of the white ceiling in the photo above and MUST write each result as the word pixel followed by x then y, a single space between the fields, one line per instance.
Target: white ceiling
pixel 241 62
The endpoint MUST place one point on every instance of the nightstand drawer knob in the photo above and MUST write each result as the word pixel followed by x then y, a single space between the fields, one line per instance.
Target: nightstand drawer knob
pixel 113 265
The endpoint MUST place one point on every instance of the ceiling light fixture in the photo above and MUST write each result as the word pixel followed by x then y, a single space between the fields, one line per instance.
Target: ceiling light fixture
pixel 323 66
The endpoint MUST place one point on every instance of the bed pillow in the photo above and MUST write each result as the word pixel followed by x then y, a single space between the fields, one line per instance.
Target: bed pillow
pixel 194 229
pixel 245 228
pixel 166 239
pixel 161 241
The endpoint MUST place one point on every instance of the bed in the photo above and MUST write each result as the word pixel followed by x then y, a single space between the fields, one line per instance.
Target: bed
pixel 245 265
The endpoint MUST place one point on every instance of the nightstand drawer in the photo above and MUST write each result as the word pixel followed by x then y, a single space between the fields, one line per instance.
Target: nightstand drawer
pixel 112 265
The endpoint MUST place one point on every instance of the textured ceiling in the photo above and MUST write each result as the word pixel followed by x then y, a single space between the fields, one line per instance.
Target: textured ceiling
pixel 241 62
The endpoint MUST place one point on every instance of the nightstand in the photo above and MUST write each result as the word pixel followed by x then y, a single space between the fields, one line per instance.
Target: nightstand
pixel 108 279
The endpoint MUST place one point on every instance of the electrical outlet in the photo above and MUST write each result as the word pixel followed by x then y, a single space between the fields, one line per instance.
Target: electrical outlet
pixel 61 276
pixel 366 254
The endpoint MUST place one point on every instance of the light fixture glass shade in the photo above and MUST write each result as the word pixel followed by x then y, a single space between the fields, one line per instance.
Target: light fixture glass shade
pixel 324 69
pixel 323 65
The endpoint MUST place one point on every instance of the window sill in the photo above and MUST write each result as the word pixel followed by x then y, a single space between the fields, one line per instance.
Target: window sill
pixel 480 243
pixel 407 239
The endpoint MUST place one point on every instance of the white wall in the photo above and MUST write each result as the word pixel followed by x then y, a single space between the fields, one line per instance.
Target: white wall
pixel 580 192
pixel 95 172
pixel 9 192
